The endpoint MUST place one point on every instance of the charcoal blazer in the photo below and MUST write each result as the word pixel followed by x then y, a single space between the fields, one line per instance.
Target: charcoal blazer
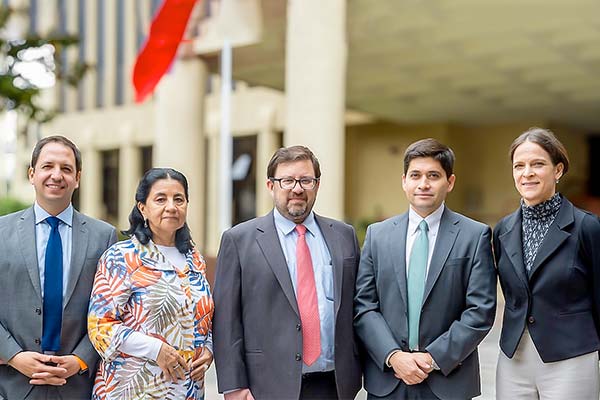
pixel 257 333
pixel 21 299
pixel 559 300
pixel 458 309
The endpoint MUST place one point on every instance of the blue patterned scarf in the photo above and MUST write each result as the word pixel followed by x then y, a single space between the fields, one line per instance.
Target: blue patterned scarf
pixel 536 221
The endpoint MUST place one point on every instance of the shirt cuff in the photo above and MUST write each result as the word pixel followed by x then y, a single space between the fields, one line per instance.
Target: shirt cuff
pixel 82 363
pixel 434 364
pixel 389 356
pixel 140 345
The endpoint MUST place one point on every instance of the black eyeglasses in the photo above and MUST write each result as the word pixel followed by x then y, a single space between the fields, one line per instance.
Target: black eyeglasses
pixel 305 183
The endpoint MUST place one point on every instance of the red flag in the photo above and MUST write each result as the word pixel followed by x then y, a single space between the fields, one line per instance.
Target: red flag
pixel 166 32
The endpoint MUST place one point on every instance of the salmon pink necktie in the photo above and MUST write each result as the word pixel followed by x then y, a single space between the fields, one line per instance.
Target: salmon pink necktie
pixel 307 300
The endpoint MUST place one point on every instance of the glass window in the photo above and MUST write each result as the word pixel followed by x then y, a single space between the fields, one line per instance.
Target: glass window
pixel 110 189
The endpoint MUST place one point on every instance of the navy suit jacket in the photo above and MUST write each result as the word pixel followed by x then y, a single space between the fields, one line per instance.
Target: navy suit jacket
pixel 559 301
pixel 458 309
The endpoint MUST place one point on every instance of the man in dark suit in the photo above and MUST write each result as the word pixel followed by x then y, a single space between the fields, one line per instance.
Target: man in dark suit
pixel 49 255
pixel 283 293
pixel 425 289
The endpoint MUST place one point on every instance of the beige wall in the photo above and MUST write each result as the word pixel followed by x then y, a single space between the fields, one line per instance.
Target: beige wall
pixel 484 188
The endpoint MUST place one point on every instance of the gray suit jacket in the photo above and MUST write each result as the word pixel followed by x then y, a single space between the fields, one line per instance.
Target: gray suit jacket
pixel 256 326
pixel 459 303
pixel 21 299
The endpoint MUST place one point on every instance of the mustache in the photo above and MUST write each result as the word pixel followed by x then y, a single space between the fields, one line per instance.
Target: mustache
pixel 301 196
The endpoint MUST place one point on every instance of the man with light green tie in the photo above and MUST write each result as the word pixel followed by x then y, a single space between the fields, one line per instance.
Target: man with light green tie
pixel 425 290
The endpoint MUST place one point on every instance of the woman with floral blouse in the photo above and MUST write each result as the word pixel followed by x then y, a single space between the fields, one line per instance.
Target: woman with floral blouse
pixel 150 315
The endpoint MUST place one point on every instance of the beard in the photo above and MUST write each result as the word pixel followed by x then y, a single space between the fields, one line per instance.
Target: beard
pixel 296 211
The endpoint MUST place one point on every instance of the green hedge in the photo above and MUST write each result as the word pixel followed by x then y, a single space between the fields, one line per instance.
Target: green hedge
pixel 9 205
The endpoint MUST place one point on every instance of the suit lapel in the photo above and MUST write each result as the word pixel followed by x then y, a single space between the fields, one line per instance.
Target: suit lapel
pixel 28 246
pixel 397 244
pixel 268 241
pixel 79 246
pixel 512 243
pixel 447 233
pixel 555 236
pixel 333 244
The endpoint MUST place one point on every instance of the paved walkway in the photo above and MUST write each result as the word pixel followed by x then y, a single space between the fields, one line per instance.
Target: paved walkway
pixel 488 353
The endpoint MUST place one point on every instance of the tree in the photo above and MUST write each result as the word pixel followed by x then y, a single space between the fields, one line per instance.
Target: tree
pixel 18 90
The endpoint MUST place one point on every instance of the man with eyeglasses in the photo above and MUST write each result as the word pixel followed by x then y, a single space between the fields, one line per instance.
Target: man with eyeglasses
pixel 283 293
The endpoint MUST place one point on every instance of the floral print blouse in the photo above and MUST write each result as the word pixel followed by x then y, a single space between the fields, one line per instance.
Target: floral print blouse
pixel 136 288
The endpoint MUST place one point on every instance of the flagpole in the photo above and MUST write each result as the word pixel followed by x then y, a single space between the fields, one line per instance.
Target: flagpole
pixel 226 143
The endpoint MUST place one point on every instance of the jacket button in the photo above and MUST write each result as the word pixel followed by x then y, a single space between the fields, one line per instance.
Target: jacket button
pixel 298 357
pixel 298 327
pixel 37 341
pixel 38 311
pixel 531 320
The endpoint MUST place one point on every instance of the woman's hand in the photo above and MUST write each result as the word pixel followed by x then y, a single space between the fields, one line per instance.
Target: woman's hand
pixel 171 363
pixel 200 364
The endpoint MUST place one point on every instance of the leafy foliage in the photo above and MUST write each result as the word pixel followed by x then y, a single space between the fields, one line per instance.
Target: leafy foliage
pixel 17 90
pixel 9 205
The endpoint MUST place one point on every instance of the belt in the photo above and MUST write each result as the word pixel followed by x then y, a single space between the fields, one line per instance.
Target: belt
pixel 319 374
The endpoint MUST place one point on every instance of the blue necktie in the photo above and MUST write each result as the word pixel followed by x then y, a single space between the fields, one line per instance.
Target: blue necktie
pixel 53 289
pixel 417 271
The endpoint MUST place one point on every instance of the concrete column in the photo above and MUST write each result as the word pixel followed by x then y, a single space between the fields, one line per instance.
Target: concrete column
pixel 130 172
pixel 110 52
pixel 47 18
pixel 91 46
pixel 130 49
pixel 70 92
pixel 315 91
pixel 179 142
pixel 91 179
pixel 267 143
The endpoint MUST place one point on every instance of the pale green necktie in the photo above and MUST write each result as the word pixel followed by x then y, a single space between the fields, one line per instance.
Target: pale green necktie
pixel 417 270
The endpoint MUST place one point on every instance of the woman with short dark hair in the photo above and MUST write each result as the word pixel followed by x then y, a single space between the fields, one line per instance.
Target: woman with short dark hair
pixel 549 266
pixel 150 314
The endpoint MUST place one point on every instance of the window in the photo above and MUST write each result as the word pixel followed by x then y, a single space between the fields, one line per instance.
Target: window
pixel 81 50
pixel 146 158
pixel 110 189
pixel 244 179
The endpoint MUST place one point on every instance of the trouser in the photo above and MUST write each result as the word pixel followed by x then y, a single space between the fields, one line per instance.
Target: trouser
pixel 526 376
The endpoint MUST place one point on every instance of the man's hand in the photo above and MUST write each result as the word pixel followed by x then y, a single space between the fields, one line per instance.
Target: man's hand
pixel 200 364
pixel 240 394
pixel 68 362
pixel 407 367
pixel 30 363
pixel 424 361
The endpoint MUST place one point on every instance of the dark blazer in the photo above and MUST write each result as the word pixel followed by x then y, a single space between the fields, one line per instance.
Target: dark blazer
pixel 560 299
pixel 256 326
pixel 459 303
pixel 21 299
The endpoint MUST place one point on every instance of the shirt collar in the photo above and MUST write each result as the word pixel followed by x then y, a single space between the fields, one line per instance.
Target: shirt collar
pixel 66 216
pixel 286 226
pixel 432 219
